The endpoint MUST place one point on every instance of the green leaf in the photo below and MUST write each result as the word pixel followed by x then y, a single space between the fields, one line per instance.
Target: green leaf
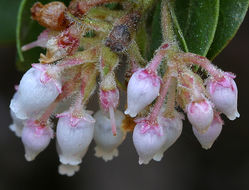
pixel 171 19
pixel 156 35
pixel 156 30
pixel 27 30
pixel 194 21
pixel 232 13
pixel 198 20
pixel 142 39
pixel 8 12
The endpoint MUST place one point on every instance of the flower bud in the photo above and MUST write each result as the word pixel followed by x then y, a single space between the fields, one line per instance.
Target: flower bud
pixel 143 88
pixel 74 135
pixel 148 140
pixel 36 91
pixel 224 95
pixel 109 98
pixel 106 142
pixel 173 130
pixel 200 114
pixel 35 138
pixel 68 170
pixel 207 138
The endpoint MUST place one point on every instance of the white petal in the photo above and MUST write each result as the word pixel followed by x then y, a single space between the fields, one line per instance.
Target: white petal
pixel 68 170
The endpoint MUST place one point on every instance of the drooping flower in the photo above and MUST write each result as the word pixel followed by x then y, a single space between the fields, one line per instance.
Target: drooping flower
pixel 37 90
pixel 35 138
pixel 207 138
pixel 224 95
pixel 106 142
pixel 84 47
pixel 143 88
pixel 148 139
pixel 74 135
pixel 200 114
pixel 173 130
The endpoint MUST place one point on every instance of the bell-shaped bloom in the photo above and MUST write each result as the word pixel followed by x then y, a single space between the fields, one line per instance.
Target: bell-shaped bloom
pixel 106 142
pixel 224 95
pixel 35 138
pixel 207 138
pixel 68 170
pixel 37 90
pixel 74 135
pixel 148 139
pixel 200 114
pixel 173 130
pixel 143 88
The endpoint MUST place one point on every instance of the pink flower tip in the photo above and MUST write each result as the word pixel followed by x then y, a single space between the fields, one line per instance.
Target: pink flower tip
pixel 35 138
pixel 200 114
pixel 207 138
pixel 109 98
pixel 224 95
pixel 148 139
pixel 143 88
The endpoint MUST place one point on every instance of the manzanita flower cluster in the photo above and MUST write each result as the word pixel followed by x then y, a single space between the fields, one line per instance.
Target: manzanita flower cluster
pixel 85 42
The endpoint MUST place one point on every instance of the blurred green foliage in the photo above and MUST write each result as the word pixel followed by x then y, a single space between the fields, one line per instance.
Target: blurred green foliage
pixel 203 27
pixel 8 15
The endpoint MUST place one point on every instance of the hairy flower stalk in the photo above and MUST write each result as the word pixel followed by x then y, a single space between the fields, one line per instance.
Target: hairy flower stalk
pixel 144 85
pixel 85 44
pixel 109 94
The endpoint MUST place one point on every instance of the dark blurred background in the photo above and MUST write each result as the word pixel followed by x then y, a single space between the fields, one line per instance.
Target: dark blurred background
pixel 185 166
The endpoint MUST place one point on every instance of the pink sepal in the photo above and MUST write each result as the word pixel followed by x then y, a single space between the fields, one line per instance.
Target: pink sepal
pixel 74 120
pixel 109 98
pixel 145 74
pixel 147 126
pixel 39 129
pixel 45 77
